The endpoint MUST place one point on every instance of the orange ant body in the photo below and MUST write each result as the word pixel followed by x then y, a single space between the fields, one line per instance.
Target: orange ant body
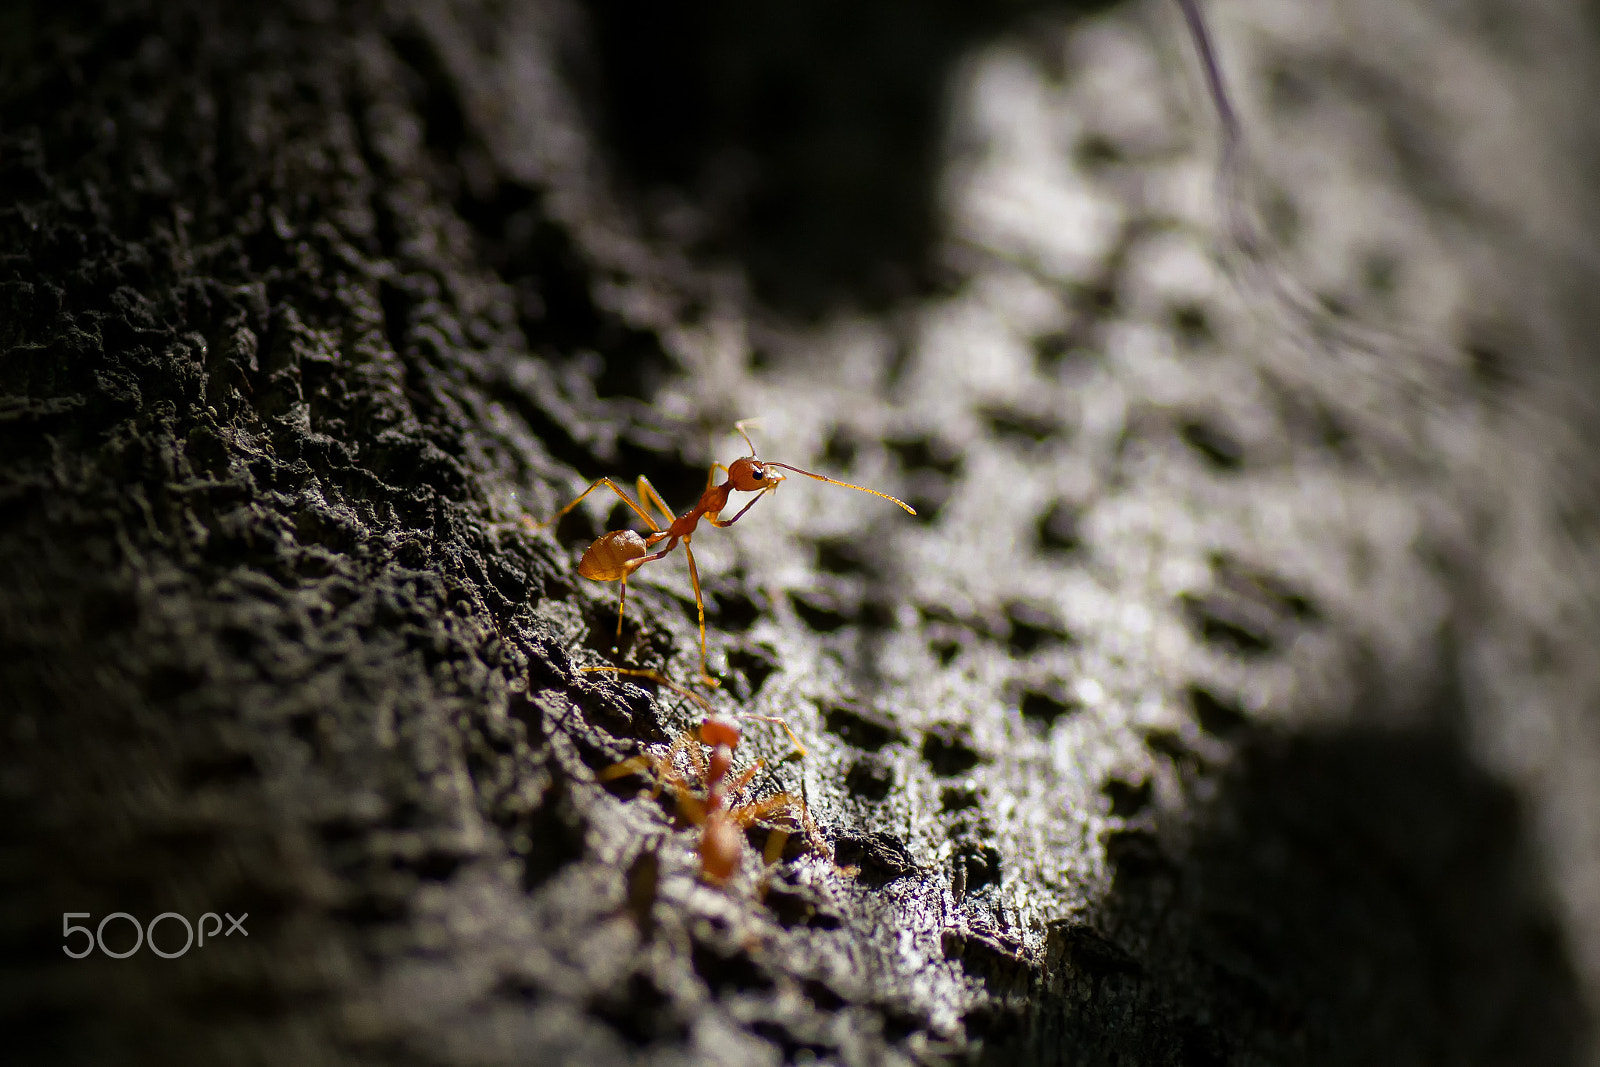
pixel 705 798
pixel 616 555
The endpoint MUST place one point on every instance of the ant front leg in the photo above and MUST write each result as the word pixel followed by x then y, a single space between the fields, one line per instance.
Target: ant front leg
pixel 744 779
pixel 630 766
pixel 723 524
pixel 799 749
pixel 660 769
pixel 792 805
pixel 786 804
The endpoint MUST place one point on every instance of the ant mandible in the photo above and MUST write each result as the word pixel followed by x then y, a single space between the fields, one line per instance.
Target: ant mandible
pixel 616 555
pixel 721 824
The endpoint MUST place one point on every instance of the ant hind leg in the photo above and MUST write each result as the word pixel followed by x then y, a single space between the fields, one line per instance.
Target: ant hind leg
pixel 700 608
pixel 648 496
pixel 622 604
pixel 611 485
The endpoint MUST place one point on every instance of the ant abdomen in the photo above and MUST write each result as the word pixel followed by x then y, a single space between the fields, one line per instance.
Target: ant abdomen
pixel 720 848
pixel 607 559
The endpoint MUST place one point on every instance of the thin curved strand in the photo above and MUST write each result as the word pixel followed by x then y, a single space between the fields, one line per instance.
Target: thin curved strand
pixel 834 481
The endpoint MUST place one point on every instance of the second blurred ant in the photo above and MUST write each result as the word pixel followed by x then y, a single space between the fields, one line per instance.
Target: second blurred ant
pixel 705 798
pixel 616 555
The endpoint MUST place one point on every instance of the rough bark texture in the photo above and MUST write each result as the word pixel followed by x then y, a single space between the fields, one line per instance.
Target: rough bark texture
pixel 1228 701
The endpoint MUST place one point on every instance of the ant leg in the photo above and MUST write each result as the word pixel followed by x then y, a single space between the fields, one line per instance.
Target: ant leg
pixel 785 803
pixel 700 607
pixel 648 495
pixel 744 779
pixel 800 749
pixel 711 476
pixel 662 768
pixel 722 524
pixel 622 603
pixel 791 804
pixel 773 851
pixel 631 765
pixel 697 757
pixel 691 809
pixel 611 485
pixel 746 814
pixel 628 568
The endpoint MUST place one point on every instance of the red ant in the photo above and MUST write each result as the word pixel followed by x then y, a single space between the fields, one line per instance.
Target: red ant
pixel 722 824
pixel 616 555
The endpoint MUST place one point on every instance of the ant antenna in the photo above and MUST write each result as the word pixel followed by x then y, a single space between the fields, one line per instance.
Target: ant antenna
pixel 752 423
pixel 834 481
pixel 742 423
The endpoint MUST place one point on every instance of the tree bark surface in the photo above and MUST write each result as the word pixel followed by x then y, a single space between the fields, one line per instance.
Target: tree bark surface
pixel 1227 701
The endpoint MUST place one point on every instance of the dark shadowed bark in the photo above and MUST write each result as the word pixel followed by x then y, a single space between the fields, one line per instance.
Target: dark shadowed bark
pixel 1188 723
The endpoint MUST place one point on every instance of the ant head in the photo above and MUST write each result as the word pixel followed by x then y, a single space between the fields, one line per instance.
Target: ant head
pixel 750 475
pixel 717 732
